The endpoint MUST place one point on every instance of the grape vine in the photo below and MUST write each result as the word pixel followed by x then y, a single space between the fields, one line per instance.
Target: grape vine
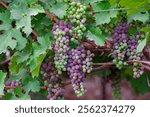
pixel 46 45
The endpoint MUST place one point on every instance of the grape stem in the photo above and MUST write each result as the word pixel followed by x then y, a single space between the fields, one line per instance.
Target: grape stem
pixel 35 35
pixel 144 62
pixel 101 68
pixel 107 63
pixel 51 15
pixel 4 62
pixel 3 4
pixel 131 61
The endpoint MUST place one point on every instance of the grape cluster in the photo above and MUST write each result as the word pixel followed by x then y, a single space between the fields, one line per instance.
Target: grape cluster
pixel 61 44
pixel 133 42
pixel 13 83
pixel 120 44
pixel 55 92
pixel 46 68
pixel 125 46
pixel 77 16
pixel 116 91
pixel 52 80
pixel 79 63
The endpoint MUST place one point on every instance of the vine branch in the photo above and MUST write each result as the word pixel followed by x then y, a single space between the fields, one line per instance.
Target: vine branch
pixel 51 16
pixel 3 4
pixel 4 62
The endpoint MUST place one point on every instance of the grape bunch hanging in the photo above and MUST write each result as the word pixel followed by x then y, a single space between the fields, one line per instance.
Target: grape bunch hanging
pixel 75 61
pixel 125 46
pixel 52 80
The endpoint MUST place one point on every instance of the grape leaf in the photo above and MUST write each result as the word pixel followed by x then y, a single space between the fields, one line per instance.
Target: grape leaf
pixel 22 74
pixel 32 1
pixel 31 84
pixel 10 96
pixel 141 46
pixel 22 14
pixel 19 58
pixel 143 43
pixel 14 67
pixel 11 37
pixel 96 35
pixel 146 29
pixel 38 54
pixel 101 16
pixel 2 78
pixel 90 1
pixel 140 84
pixel 133 5
pixel 59 9
pixel 47 3
pixel 17 91
pixel 23 55
pixel 113 1
pixel 20 94
pixel 140 16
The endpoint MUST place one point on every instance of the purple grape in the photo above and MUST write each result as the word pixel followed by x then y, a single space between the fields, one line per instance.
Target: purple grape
pixel 138 69
pixel 79 63
pixel 61 44
pixel 52 80
pixel 120 44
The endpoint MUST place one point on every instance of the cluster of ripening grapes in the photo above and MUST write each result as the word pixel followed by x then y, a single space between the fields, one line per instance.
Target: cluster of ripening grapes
pixel 125 47
pixel 120 44
pixel 79 63
pixel 51 80
pixel 61 44
pixel 77 16
pixel 138 69
pixel 75 61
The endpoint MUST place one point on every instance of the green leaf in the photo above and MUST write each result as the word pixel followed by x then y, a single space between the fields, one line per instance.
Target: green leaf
pixel 32 1
pixel 134 5
pixel 140 85
pixel 90 1
pixel 47 3
pixel 113 1
pixel 146 29
pixel 19 59
pixel 22 74
pixel 31 84
pixel 96 35
pixel 143 43
pixel 14 67
pixel 59 9
pixel 39 53
pixel 11 37
pixel 101 16
pixel 10 96
pixel 22 14
pixel 140 16
pixel 23 56
pixel 141 46
pixel 2 84
pixel 18 91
